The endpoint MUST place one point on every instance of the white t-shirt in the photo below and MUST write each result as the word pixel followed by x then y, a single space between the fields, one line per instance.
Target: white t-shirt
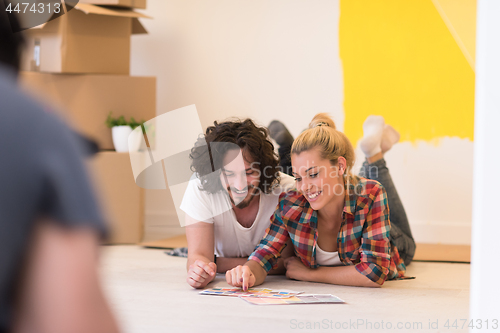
pixel 231 239
pixel 324 258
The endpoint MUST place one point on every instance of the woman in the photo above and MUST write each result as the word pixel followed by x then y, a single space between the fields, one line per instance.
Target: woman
pixel 337 223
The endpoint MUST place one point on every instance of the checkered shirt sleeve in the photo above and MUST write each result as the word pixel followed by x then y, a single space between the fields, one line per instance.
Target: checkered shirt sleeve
pixel 375 251
pixel 274 241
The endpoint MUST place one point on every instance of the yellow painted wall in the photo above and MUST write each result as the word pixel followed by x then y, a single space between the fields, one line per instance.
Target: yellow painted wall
pixel 401 61
pixel 460 18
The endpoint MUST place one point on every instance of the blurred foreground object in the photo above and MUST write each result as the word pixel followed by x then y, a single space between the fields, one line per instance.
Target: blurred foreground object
pixel 50 221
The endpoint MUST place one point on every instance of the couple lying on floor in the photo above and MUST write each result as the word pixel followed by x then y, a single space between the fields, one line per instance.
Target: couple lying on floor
pixel 324 224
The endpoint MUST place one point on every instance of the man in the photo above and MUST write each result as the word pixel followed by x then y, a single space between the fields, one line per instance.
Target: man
pixel 49 221
pixel 229 205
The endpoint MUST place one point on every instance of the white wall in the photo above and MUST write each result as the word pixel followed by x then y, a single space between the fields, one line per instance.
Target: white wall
pixel 279 59
pixel 485 294
pixel 237 58
pixel 262 59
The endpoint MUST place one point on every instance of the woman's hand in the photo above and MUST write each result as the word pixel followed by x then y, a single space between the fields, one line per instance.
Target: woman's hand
pixel 200 274
pixel 241 276
pixel 296 270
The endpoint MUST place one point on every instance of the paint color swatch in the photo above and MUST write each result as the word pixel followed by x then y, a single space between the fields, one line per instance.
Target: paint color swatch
pixel 297 299
pixel 261 292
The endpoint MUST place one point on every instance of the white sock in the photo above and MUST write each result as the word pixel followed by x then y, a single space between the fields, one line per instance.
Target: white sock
pixel 373 128
pixel 389 138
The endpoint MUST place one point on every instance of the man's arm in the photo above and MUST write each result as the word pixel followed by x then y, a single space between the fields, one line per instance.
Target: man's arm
pixel 200 266
pixel 200 247
pixel 226 264
pixel 60 291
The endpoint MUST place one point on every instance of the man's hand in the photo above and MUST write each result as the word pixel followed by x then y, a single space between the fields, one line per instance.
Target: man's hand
pixel 241 276
pixel 200 274
pixel 296 270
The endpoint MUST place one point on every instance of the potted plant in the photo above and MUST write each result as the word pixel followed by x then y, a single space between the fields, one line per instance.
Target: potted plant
pixel 125 139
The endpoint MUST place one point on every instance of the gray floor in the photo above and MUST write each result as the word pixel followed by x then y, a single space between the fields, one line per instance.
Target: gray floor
pixel 148 293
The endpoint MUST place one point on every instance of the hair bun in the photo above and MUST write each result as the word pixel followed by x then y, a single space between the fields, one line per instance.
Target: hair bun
pixel 322 119
pixel 321 124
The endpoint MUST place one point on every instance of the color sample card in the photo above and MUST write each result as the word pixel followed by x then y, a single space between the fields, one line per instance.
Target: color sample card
pixel 262 292
pixel 297 299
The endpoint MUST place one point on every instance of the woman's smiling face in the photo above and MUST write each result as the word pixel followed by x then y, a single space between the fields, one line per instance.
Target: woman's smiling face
pixel 317 179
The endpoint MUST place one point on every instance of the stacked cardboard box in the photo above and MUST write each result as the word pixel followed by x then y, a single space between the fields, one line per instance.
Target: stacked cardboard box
pixel 118 193
pixel 80 63
pixel 139 4
pixel 87 39
pixel 84 101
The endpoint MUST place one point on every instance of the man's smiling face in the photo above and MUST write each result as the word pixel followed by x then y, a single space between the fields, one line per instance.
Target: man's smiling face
pixel 240 177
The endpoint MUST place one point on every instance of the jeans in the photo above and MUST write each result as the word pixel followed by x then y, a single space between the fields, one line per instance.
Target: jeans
pixel 285 159
pixel 400 233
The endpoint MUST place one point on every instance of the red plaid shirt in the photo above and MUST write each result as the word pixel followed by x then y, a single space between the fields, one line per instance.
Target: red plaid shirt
pixel 363 238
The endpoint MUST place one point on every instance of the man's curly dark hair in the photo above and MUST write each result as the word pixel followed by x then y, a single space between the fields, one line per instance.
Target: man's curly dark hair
pixel 245 134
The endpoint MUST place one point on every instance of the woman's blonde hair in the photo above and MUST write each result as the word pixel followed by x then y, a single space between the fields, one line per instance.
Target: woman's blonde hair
pixel 332 144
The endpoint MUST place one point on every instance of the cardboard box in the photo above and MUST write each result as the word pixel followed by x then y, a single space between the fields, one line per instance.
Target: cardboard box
pixel 139 4
pixel 85 101
pixel 87 39
pixel 121 200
